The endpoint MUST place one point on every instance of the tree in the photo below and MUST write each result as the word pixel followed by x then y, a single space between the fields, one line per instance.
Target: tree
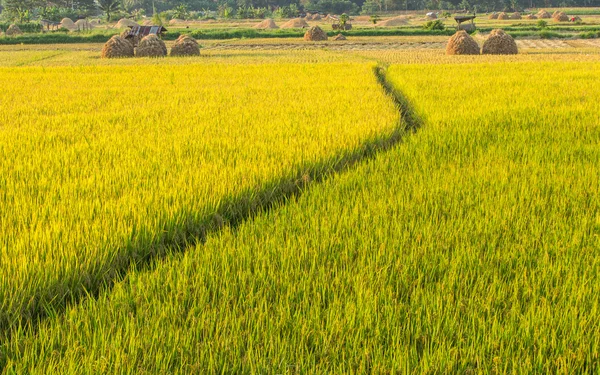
pixel 21 9
pixel 108 7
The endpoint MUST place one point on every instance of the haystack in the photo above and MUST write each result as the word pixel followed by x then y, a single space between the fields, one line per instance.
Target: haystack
pixel 82 25
pixel 133 39
pixel 151 46
pixel 316 17
pixel 339 37
pixel 13 30
pixel 125 23
pixel 515 16
pixel 266 24
pixel 493 16
pixel 543 14
pixel 67 23
pixel 556 13
pixel 176 21
pixel 396 21
pixel 503 16
pixel 461 43
pixel 560 17
pixel 531 17
pixel 185 45
pixel 95 22
pixel 577 19
pixel 296 23
pixel 147 23
pixel 117 47
pixel 315 34
pixel 499 43
pixel 1 34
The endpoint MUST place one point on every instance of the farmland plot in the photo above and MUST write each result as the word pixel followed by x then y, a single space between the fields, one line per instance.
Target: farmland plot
pixel 471 246
pixel 103 166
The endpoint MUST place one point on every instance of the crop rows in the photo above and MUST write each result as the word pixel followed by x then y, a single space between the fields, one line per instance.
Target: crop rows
pixel 469 247
pixel 105 167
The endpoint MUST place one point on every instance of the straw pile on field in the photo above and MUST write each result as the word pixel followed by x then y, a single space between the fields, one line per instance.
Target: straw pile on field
pixel 1 34
pixel 13 30
pixel 556 12
pixel 503 16
pixel 339 37
pixel 266 24
pixel 431 16
pixel 124 23
pixel 176 21
pixel 560 17
pixel 531 17
pixel 461 43
pixel 493 16
pixel 147 23
pixel 499 43
pixel 296 23
pixel 95 22
pixel 151 46
pixel 82 25
pixel 316 17
pixel 185 45
pixel 117 47
pixel 515 16
pixel 543 14
pixel 315 34
pixel 577 19
pixel 67 23
pixel 396 21
pixel 133 39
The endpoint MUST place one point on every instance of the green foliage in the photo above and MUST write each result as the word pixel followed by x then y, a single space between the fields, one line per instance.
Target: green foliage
pixel 109 7
pixel 542 24
pixel 434 25
pixel 374 19
pixel 30 27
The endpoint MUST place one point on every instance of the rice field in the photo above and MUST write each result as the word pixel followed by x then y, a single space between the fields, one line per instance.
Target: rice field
pixel 237 215
pixel 105 166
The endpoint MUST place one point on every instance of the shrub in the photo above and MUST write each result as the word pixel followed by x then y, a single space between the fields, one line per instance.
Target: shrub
pixel 434 25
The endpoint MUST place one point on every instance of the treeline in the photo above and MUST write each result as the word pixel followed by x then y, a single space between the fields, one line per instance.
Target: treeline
pixel 28 10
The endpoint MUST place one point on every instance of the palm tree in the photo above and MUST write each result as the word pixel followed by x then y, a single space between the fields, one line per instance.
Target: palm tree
pixel 108 7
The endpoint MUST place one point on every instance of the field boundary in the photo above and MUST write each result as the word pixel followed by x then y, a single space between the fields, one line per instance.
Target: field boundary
pixel 191 231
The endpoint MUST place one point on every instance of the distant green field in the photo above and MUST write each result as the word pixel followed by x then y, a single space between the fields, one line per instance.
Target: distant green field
pixel 471 247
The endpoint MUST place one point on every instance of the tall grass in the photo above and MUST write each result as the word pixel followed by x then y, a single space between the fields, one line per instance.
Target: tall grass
pixel 471 247
pixel 103 167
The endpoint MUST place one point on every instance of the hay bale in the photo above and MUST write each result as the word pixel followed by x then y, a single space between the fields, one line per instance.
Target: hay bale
pixel 266 24
pixel 67 23
pixel 531 17
pixel 176 21
pixel 133 39
pixel 396 21
pixel 461 43
pixel 339 37
pixel 503 16
pixel 317 17
pixel 83 25
pixel 151 46
pixel 296 23
pixel 13 30
pixel 560 17
pixel 125 23
pixel 515 16
pixel 117 47
pixel 542 14
pixel 493 16
pixel 315 34
pixel 499 43
pixel 185 45
pixel 556 13
pixel 577 19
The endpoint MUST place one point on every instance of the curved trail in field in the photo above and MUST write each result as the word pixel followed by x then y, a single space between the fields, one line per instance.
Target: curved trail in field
pixel 241 208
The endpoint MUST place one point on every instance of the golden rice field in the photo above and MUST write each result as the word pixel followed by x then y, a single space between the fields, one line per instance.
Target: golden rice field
pixel 103 166
pixel 285 212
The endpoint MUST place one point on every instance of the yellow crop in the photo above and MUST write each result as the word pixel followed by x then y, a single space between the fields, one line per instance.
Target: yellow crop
pixel 102 166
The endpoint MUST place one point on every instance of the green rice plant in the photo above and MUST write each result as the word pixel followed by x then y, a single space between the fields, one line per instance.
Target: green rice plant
pixel 470 247
pixel 107 166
